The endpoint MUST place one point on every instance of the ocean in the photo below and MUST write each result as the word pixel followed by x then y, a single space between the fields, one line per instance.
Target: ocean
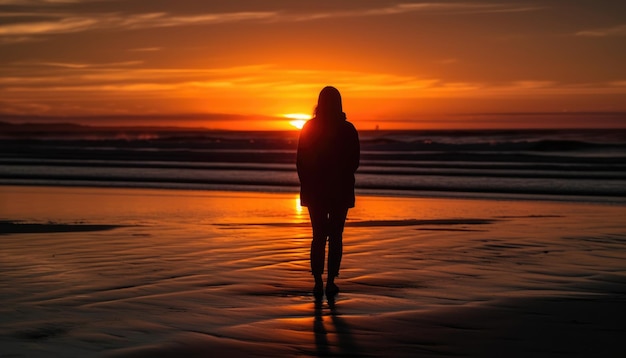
pixel 571 165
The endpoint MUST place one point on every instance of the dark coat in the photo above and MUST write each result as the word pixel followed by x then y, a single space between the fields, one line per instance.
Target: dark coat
pixel 328 157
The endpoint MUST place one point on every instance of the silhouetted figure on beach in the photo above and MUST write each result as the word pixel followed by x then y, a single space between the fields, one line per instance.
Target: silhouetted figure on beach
pixel 328 157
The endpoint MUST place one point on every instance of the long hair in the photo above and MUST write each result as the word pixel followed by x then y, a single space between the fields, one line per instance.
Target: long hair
pixel 329 107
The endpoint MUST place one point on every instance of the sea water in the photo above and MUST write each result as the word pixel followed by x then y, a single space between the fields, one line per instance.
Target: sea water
pixel 577 165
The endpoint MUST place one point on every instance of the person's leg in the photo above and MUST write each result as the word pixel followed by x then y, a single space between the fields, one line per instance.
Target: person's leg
pixel 319 224
pixel 336 222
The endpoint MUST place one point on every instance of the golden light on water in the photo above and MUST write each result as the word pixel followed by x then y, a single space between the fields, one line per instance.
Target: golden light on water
pixel 298 207
pixel 300 214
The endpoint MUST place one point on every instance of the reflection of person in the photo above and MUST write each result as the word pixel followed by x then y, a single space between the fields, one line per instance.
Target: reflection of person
pixel 328 156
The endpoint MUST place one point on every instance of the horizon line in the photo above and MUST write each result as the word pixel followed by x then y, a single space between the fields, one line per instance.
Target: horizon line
pixel 147 127
pixel 222 116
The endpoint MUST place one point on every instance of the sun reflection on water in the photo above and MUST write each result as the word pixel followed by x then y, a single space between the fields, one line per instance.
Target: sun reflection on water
pixel 299 209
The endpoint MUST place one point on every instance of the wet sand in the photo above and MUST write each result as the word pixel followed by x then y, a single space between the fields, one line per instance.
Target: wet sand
pixel 160 273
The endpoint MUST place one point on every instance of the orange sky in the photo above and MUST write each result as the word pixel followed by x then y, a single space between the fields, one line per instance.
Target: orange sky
pixel 243 64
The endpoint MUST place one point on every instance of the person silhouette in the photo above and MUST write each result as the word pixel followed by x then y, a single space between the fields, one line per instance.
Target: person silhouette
pixel 327 158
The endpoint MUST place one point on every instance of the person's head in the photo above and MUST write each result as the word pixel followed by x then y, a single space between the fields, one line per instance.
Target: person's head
pixel 329 105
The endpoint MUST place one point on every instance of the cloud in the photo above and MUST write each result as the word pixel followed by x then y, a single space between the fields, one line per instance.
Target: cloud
pixel 122 86
pixel 75 65
pixel 406 8
pixel 66 25
pixel 461 7
pixel 145 49
pixel 40 2
pixel 77 22
pixel 16 39
pixel 619 30
pixel 18 14
pixel 529 84
pixel 166 20
pixel 119 21
pixel 448 61
pixel 262 80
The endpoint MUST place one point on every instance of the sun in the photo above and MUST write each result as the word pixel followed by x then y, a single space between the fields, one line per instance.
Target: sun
pixel 298 123
pixel 297 119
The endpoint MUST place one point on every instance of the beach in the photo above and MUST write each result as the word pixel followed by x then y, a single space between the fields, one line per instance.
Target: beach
pixel 122 272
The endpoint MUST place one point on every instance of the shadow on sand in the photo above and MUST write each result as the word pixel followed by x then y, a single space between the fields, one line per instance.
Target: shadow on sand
pixel 333 335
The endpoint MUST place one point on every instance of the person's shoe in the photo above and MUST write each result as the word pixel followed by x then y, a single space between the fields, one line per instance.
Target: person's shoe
pixel 331 290
pixel 318 290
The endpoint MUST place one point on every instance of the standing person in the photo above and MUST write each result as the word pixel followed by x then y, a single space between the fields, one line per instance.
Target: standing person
pixel 328 157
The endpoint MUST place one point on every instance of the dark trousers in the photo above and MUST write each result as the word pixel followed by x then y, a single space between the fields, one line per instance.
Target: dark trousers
pixel 327 225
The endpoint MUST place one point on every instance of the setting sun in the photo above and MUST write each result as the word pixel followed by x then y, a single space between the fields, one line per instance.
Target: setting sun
pixel 298 123
pixel 298 119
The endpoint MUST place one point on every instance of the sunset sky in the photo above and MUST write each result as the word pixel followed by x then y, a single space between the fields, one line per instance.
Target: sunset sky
pixel 243 64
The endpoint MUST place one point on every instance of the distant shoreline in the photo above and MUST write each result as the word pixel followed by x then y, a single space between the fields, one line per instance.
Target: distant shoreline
pixel 65 126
